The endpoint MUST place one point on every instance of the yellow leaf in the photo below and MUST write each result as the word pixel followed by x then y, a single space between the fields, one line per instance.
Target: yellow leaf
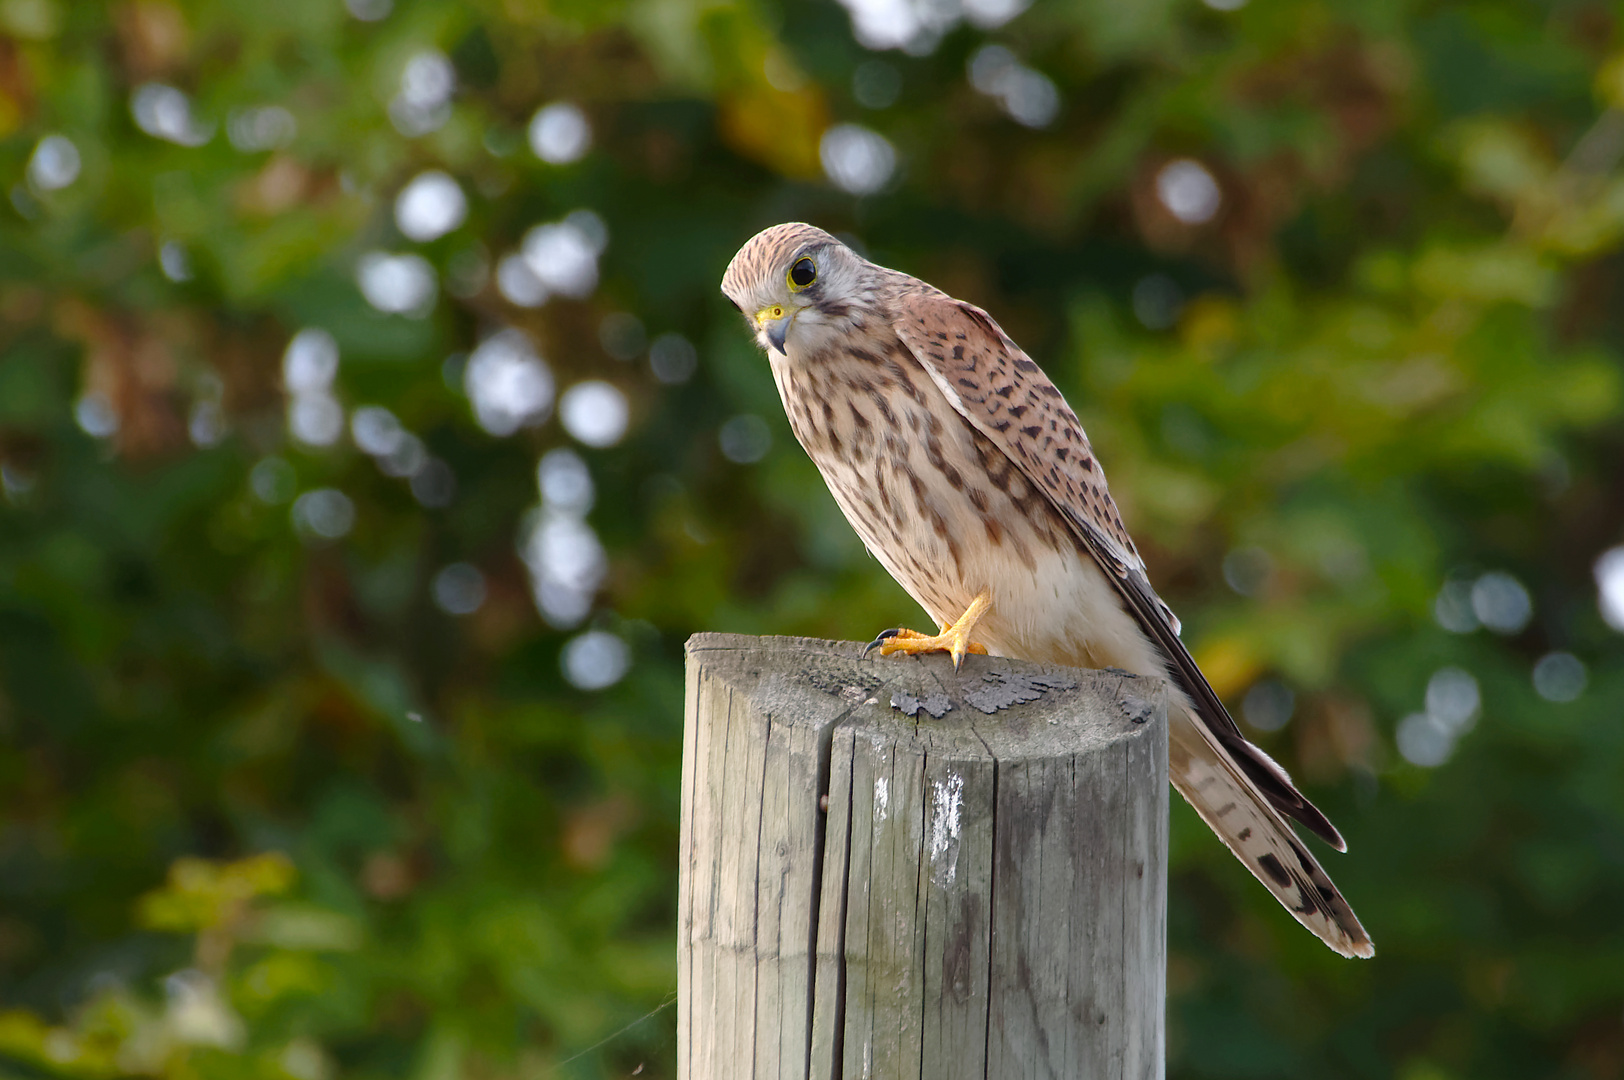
pixel 1209 326
pixel 1230 663
pixel 1610 82
pixel 779 130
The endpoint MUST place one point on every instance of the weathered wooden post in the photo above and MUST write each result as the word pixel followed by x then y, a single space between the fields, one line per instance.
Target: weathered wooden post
pixel 892 871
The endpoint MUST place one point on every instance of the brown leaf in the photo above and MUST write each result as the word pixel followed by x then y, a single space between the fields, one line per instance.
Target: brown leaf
pixel 275 188
pixel 154 37
pixel 133 368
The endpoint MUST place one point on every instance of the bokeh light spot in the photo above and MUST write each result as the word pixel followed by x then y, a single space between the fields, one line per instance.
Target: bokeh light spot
pixel 54 163
pixel 423 103
pixel 264 127
pixel 1501 603
pixel 519 284
pixel 1453 607
pixel 508 385
pixel 173 261
pixel 375 430
pixel 310 361
pixel 325 512
pixel 1247 570
pixel 459 589
pixel 1609 573
pixel 1027 95
pixel 567 564
pixel 594 412
pixel 315 419
pixel 1560 677
pixel 595 660
pixel 95 416
pixel 408 456
pixel 1188 191
pixel 166 113
pixel 370 10
pixel 745 439
pixel 565 482
pixel 563 257
pixel 673 358
pixel 430 206
pixel 272 480
pixel 1454 699
pixel 206 424
pixel 856 159
pixel 917 26
pixel 397 284
pixel 1424 740
pixel 1268 705
pixel 560 133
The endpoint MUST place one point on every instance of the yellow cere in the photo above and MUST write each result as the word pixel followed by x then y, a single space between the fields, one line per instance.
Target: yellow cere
pixel 769 314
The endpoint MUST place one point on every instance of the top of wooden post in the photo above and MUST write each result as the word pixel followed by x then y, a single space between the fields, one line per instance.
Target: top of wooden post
pixel 992 706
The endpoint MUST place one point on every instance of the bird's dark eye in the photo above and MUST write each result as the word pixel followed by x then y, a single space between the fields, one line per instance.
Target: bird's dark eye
pixel 802 274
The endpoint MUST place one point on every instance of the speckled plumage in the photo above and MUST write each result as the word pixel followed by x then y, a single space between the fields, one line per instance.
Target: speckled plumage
pixel 963 469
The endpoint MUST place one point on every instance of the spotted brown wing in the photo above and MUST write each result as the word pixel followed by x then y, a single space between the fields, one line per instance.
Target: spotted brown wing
pixel 1009 399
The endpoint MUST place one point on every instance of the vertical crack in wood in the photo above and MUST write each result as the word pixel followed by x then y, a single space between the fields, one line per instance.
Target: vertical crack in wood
pixel 826 735
pixel 820 829
pixel 838 1055
pixel 716 878
pixel 1127 891
pixel 1071 1050
pixel 992 925
pixel 921 915
pixel 755 909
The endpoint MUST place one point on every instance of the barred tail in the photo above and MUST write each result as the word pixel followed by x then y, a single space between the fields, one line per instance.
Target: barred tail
pixel 1208 777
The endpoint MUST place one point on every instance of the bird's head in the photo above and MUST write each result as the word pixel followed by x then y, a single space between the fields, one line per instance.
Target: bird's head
pixel 795 284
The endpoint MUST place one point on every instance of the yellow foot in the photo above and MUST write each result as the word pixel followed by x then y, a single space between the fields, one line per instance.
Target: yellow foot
pixel 954 638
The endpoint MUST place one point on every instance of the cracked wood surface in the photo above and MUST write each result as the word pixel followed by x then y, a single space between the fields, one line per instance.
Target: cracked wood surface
pixel 891 870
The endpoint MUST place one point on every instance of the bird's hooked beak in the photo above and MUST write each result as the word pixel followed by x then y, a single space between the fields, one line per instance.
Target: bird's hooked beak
pixel 774 319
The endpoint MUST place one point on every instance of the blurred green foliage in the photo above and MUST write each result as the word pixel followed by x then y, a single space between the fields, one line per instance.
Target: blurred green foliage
pixel 269 809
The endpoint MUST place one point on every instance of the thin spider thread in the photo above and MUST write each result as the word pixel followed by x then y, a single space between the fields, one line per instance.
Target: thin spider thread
pixel 671 999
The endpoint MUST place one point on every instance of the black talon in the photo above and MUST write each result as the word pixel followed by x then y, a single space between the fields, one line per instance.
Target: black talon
pixel 877 642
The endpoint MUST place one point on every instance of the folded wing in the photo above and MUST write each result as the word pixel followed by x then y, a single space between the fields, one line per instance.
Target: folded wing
pixel 1236 788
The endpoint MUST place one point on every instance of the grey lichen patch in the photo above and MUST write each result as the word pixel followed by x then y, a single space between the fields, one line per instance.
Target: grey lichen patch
pixel 851 685
pixel 1000 690
pixel 935 704
pixel 1136 709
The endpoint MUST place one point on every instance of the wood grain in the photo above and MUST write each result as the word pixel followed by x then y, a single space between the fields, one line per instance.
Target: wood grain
pixel 892 870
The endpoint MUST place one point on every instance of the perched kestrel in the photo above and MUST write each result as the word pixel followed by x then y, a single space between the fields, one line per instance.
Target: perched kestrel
pixel 970 479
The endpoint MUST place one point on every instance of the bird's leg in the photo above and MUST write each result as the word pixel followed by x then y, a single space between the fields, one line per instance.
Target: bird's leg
pixel 953 639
